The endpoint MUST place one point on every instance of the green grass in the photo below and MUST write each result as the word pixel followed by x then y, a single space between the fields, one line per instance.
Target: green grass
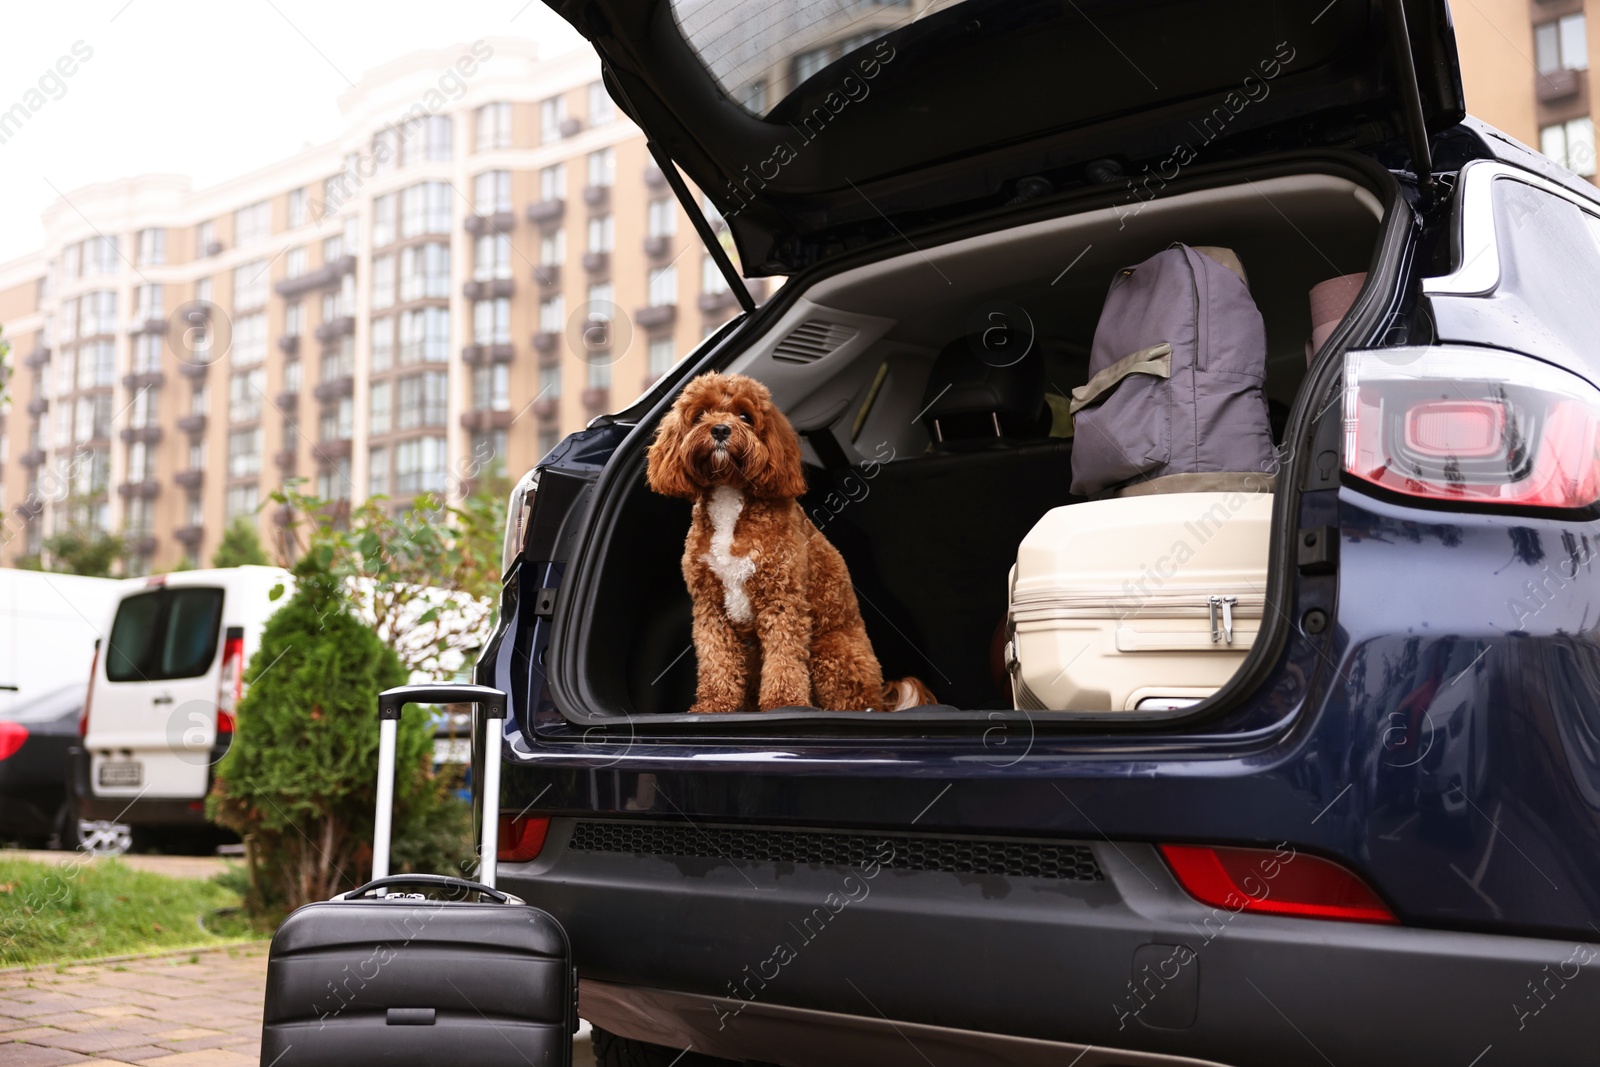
pixel 104 908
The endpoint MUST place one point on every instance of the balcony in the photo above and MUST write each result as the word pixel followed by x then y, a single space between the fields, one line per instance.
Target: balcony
pixel 476 355
pixel 150 325
pixel 37 358
pixel 38 405
pixel 189 536
pixel 595 262
pixel 1558 85
pixel 33 457
pixel 711 303
pixel 571 127
pixel 335 389
pixel 30 509
pixel 284 515
pixel 149 379
pixel 658 246
pixel 194 371
pixel 597 196
pixel 499 222
pixel 145 490
pixel 548 276
pixel 546 407
pixel 289 344
pixel 189 479
pixel 148 434
pixel 287 400
pixel 653 178
pixel 488 289
pixel 143 546
pixel 596 398
pixel 333 448
pixel 285 460
pixel 545 341
pixel 544 211
pixel 335 328
pixel 656 315
pixel 485 420
pixel 326 276
pixel 212 248
pixel 193 424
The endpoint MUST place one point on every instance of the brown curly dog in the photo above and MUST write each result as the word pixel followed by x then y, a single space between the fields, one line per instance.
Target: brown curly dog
pixel 776 623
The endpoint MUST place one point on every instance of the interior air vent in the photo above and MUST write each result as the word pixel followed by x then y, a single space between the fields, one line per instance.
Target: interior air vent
pixel 811 340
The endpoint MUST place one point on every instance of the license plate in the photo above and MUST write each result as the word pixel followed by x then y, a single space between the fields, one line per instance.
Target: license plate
pixel 452 750
pixel 122 772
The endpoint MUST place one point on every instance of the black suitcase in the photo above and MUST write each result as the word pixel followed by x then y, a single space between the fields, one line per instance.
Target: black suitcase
pixel 374 977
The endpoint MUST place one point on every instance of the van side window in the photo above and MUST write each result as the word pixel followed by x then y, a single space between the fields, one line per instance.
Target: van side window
pixel 164 634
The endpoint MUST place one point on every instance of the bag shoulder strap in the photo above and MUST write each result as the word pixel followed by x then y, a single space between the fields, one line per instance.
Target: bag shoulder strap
pixel 1155 361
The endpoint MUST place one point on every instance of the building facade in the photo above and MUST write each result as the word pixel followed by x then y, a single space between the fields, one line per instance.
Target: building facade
pixel 483 262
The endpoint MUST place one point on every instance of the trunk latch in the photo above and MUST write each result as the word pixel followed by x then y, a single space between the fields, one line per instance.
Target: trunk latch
pixel 1221 609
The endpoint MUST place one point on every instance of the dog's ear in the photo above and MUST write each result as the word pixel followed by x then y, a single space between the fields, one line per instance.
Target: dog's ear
pixel 665 472
pixel 783 477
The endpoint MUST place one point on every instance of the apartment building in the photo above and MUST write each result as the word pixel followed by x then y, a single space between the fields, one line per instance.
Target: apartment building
pixel 484 260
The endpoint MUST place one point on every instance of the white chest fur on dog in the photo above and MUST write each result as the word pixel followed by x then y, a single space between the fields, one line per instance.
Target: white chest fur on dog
pixel 724 508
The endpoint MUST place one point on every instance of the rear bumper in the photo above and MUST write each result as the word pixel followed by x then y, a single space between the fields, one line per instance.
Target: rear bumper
pixel 714 949
pixel 137 811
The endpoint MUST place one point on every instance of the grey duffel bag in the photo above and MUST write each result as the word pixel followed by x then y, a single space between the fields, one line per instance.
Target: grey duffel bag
pixel 1175 381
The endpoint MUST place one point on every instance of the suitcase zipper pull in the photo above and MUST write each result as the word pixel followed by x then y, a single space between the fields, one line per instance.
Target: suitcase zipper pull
pixel 1220 609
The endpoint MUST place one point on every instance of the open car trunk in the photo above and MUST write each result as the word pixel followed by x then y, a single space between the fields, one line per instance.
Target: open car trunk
pixel 930 529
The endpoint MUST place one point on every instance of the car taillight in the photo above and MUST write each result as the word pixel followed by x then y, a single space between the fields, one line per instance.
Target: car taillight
pixel 521 837
pixel 519 511
pixel 12 735
pixel 1274 882
pixel 88 694
pixel 230 684
pixel 1474 426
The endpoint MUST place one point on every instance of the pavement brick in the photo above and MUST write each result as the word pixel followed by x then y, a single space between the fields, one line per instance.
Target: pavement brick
pixel 37 1056
pixel 211 1057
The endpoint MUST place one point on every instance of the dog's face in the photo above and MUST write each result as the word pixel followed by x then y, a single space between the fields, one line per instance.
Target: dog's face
pixel 725 430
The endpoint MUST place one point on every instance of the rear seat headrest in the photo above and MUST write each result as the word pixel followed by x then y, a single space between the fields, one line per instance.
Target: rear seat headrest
pixel 972 392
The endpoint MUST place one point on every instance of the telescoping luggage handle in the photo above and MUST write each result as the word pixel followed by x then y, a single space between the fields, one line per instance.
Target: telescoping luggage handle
pixel 492 704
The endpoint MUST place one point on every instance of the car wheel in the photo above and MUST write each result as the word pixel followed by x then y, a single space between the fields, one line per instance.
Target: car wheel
pixel 610 1050
pixel 101 837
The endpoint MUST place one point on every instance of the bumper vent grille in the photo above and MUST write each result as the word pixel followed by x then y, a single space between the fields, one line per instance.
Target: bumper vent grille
pixel 901 852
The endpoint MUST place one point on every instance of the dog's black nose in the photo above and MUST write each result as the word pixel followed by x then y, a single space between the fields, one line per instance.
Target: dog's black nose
pixel 721 432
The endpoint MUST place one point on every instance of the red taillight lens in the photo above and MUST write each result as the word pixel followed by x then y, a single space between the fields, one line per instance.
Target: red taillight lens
pixel 1472 426
pixel 224 722
pixel 12 735
pixel 230 685
pixel 1274 882
pixel 88 694
pixel 521 837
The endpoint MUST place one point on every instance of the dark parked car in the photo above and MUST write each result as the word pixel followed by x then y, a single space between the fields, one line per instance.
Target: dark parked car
pixel 34 804
pixel 1379 843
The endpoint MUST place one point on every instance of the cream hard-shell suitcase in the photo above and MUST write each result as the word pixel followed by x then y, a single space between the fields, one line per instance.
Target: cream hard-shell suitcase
pixel 1139 602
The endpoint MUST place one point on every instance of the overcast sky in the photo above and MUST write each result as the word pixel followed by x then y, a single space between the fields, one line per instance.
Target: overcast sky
pixel 208 88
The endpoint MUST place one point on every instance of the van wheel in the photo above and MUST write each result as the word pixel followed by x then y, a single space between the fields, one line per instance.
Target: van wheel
pixel 610 1050
pixel 98 837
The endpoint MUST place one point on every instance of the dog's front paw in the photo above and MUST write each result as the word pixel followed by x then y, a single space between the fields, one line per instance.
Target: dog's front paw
pixel 779 699
pixel 714 707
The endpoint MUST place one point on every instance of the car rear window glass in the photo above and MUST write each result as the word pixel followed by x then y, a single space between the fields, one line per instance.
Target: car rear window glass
pixel 760 53
pixel 164 634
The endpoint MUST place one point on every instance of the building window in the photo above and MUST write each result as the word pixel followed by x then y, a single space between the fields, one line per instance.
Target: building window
pixel 338 422
pixel 552 313
pixel 754 97
pixel 250 339
pixel 553 182
pixel 712 279
pixel 378 472
pixel 1561 45
pixel 382 343
pixel 244 452
pixel 72 261
pixel 488 452
pixel 251 224
pixel 491 192
pixel 385 150
pixel 382 281
pixel 339 303
pixel 195 509
pixel 602 233
pixel 553 248
pixel 550 381
pixel 294 319
pixel 96 365
pixel 424 336
pixel 147 353
pixel 148 303
pixel 97 313
pixel 425 208
pixel 601 109
pixel 491 322
pixel 662 356
pixel 383 218
pixel 245 389
pixel 805 64
pixel 379 405
pixel 491 388
pixel 339 362
pixel 664 286
pixel 250 285
pixel 493 127
pixel 552 113
pixel 140 462
pixel 152 247
pixel 599 374
pixel 661 218
pixel 420 400
pixel 241 501
pixel 424 271
pixel 297 208
pixel 100 255
pixel 603 167
pixel 429 139
pixel 293 373
pixel 491 257
pixel 1570 144
pixel 294 262
pixel 333 480
pixel 419 465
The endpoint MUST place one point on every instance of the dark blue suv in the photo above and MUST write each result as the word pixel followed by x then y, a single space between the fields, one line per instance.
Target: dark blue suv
pixel 1379 843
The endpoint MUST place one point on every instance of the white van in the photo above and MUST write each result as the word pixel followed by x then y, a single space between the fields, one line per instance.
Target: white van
pixel 165 680
pixel 48 626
